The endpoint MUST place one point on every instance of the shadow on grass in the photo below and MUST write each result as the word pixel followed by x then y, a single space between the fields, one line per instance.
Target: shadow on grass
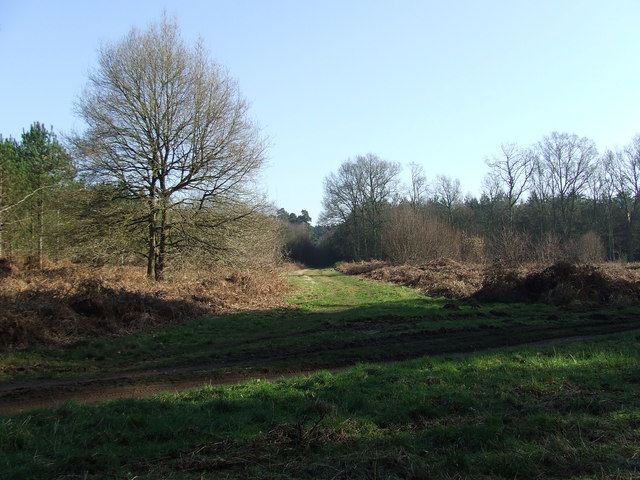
pixel 51 316
pixel 527 414
pixel 284 339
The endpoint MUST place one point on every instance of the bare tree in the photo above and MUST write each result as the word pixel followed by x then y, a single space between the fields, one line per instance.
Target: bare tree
pixel 492 188
pixel 356 195
pixel 419 188
pixel 448 194
pixel 415 237
pixel 168 126
pixel 624 170
pixel 493 203
pixel 603 187
pixel 513 169
pixel 564 164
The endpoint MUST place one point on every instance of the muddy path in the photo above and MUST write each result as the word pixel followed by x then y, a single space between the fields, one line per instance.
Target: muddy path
pixel 15 398
pixel 48 393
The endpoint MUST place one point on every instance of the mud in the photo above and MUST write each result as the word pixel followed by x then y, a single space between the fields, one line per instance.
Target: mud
pixel 17 397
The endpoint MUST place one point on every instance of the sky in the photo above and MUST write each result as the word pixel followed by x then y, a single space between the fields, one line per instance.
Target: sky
pixel 438 83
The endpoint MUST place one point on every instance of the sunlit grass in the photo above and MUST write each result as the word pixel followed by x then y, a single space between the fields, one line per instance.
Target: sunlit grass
pixel 571 411
pixel 320 299
pixel 332 319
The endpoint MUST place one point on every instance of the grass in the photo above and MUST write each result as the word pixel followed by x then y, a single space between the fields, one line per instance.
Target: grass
pixel 332 320
pixel 569 411
pixel 556 412
pixel 325 299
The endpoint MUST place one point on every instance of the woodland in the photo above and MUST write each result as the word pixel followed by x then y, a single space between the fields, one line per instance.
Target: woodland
pixel 166 176
pixel 143 275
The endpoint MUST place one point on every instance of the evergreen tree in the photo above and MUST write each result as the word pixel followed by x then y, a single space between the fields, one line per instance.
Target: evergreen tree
pixel 42 166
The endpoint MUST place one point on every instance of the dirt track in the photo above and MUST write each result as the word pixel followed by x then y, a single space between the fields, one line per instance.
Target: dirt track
pixel 378 340
pixel 21 396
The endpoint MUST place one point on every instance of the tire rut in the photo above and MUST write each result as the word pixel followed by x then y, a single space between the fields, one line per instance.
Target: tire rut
pixel 48 393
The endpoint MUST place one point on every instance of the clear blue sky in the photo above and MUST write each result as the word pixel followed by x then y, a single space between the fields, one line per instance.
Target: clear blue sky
pixel 438 83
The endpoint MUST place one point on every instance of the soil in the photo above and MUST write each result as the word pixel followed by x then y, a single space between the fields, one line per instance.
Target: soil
pixel 16 397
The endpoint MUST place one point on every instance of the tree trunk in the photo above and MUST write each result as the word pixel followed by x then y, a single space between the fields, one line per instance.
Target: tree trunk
pixel 40 232
pixel 162 243
pixel 151 246
pixel 631 237
pixel 610 242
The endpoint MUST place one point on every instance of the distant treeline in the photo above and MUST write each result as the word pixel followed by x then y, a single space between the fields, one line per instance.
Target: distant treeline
pixel 559 199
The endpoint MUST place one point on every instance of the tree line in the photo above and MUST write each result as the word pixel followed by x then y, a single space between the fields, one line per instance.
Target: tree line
pixel 164 174
pixel 559 199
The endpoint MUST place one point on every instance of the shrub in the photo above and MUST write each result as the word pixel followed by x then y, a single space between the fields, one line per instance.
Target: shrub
pixel 415 237
pixel 587 248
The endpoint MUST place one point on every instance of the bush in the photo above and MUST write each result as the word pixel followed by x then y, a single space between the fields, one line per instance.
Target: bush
pixel 560 283
pixel 512 248
pixel 587 248
pixel 414 237
pixel 359 268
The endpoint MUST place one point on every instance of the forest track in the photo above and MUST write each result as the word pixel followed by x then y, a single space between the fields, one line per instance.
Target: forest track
pixel 17 397
pixel 373 335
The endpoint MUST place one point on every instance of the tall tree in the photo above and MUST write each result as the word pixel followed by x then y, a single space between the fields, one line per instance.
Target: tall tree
pixel 605 191
pixel 43 164
pixel 8 155
pixel 168 126
pixel 356 196
pixel 448 194
pixel 513 169
pixel 419 187
pixel 626 171
pixel 492 206
pixel 565 163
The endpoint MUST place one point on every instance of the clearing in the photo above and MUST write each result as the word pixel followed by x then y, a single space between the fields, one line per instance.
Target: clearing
pixel 333 321
pixel 564 411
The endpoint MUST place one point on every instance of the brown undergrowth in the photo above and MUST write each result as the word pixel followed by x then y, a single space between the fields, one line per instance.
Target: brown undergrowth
pixel 64 301
pixel 560 283
pixel 446 278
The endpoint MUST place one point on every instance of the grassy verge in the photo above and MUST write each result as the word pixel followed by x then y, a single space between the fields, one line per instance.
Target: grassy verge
pixel 571 411
pixel 332 320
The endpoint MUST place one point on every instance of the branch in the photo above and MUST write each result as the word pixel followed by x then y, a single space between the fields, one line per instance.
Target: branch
pixel 9 207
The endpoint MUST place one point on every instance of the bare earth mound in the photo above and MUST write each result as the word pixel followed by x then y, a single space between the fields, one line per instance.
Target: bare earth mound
pixel 64 302
pixel 560 283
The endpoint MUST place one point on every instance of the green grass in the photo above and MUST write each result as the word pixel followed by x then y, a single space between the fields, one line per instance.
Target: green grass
pixel 334 299
pixel 333 320
pixel 563 412
pixel 570 411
